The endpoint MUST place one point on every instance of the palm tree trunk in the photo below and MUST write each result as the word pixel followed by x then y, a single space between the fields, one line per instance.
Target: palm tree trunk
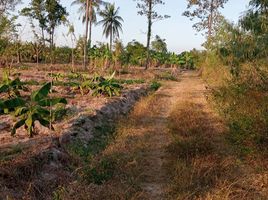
pixel 90 26
pixel 111 40
pixel 86 35
pixel 90 23
pixel 149 33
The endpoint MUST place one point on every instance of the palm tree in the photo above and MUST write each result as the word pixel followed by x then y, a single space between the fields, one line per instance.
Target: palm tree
pixel 88 12
pixel 111 22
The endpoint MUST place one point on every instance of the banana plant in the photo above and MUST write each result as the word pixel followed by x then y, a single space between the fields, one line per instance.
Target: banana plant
pixel 11 87
pixel 56 76
pixel 9 105
pixel 107 87
pixel 37 107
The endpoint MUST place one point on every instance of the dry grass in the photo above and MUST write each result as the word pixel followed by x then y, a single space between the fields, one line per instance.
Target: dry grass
pixel 202 163
pixel 116 173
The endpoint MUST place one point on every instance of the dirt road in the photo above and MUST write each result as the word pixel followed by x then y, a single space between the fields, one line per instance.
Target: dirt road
pixel 189 88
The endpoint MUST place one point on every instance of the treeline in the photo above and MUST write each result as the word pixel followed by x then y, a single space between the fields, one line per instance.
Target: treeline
pixel 99 55
pixel 46 16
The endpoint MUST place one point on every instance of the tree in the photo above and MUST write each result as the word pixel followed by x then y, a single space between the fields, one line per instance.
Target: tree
pixel 56 15
pixel 73 39
pixel 146 7
pixel 37 11
pixel 207 11
pixel 87 8
pixel 118 52
pixel 136 53
pixel 111 22
pixel 49 14
pixel 159 45
pixel 7 5
pixel 92 15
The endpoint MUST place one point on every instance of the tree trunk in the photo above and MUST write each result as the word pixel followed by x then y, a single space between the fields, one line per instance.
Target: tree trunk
pixel 149 33
pixel 43 37
pixel 52 47
pixel 86 35
pixel 18 55
pixel 90 23
pixel 37 57
pixel 210 23
pixel 111 40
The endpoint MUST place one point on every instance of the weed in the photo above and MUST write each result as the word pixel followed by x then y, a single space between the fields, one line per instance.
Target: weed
pixel 168 76
pixel 155 85
pixel 100 171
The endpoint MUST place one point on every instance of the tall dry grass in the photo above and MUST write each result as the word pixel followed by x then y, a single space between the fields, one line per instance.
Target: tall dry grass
pixel 203 164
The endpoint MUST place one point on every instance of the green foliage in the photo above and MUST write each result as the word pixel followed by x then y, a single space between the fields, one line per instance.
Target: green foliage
pixel 101 86
pixel 186 60
pixel 76 76
pixel 108 87
pixel 243 103
pixel 11 87
pixel 135 53
pixel 159 45
pixel 155 85
pixel 100 172
pixel 56 76
pixel 111 22
pixel 207 12
pixel 34 108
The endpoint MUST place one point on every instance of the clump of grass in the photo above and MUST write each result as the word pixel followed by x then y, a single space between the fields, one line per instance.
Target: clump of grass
pixel 168 76
pixel 100 171
pixel 155 85
pixel 102 136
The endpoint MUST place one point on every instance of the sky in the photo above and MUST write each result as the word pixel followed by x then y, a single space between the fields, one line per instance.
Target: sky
pixel 177 30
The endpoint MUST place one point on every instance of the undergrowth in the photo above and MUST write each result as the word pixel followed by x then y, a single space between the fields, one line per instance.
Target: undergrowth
pixel 243 102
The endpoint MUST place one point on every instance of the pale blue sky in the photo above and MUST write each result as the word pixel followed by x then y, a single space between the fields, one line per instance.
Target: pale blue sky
pixel 177 30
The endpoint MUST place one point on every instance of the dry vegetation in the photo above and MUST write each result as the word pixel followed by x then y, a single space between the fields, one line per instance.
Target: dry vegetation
pixel 118 170
pixel 204 164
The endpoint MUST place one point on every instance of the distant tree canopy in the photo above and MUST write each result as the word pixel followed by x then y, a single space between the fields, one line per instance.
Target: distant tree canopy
pixel 7 5
pixel 207 12
pixel 147 8
pixel 159 44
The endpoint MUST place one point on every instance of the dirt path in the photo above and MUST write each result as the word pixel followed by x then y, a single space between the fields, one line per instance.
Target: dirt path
pixel 190 88
pixel 138 155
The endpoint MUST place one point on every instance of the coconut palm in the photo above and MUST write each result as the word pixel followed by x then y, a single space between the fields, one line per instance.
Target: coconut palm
pixel 111 22
pixel 87 8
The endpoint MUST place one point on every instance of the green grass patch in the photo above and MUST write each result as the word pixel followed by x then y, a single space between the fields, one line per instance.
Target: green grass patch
pixel 155 85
